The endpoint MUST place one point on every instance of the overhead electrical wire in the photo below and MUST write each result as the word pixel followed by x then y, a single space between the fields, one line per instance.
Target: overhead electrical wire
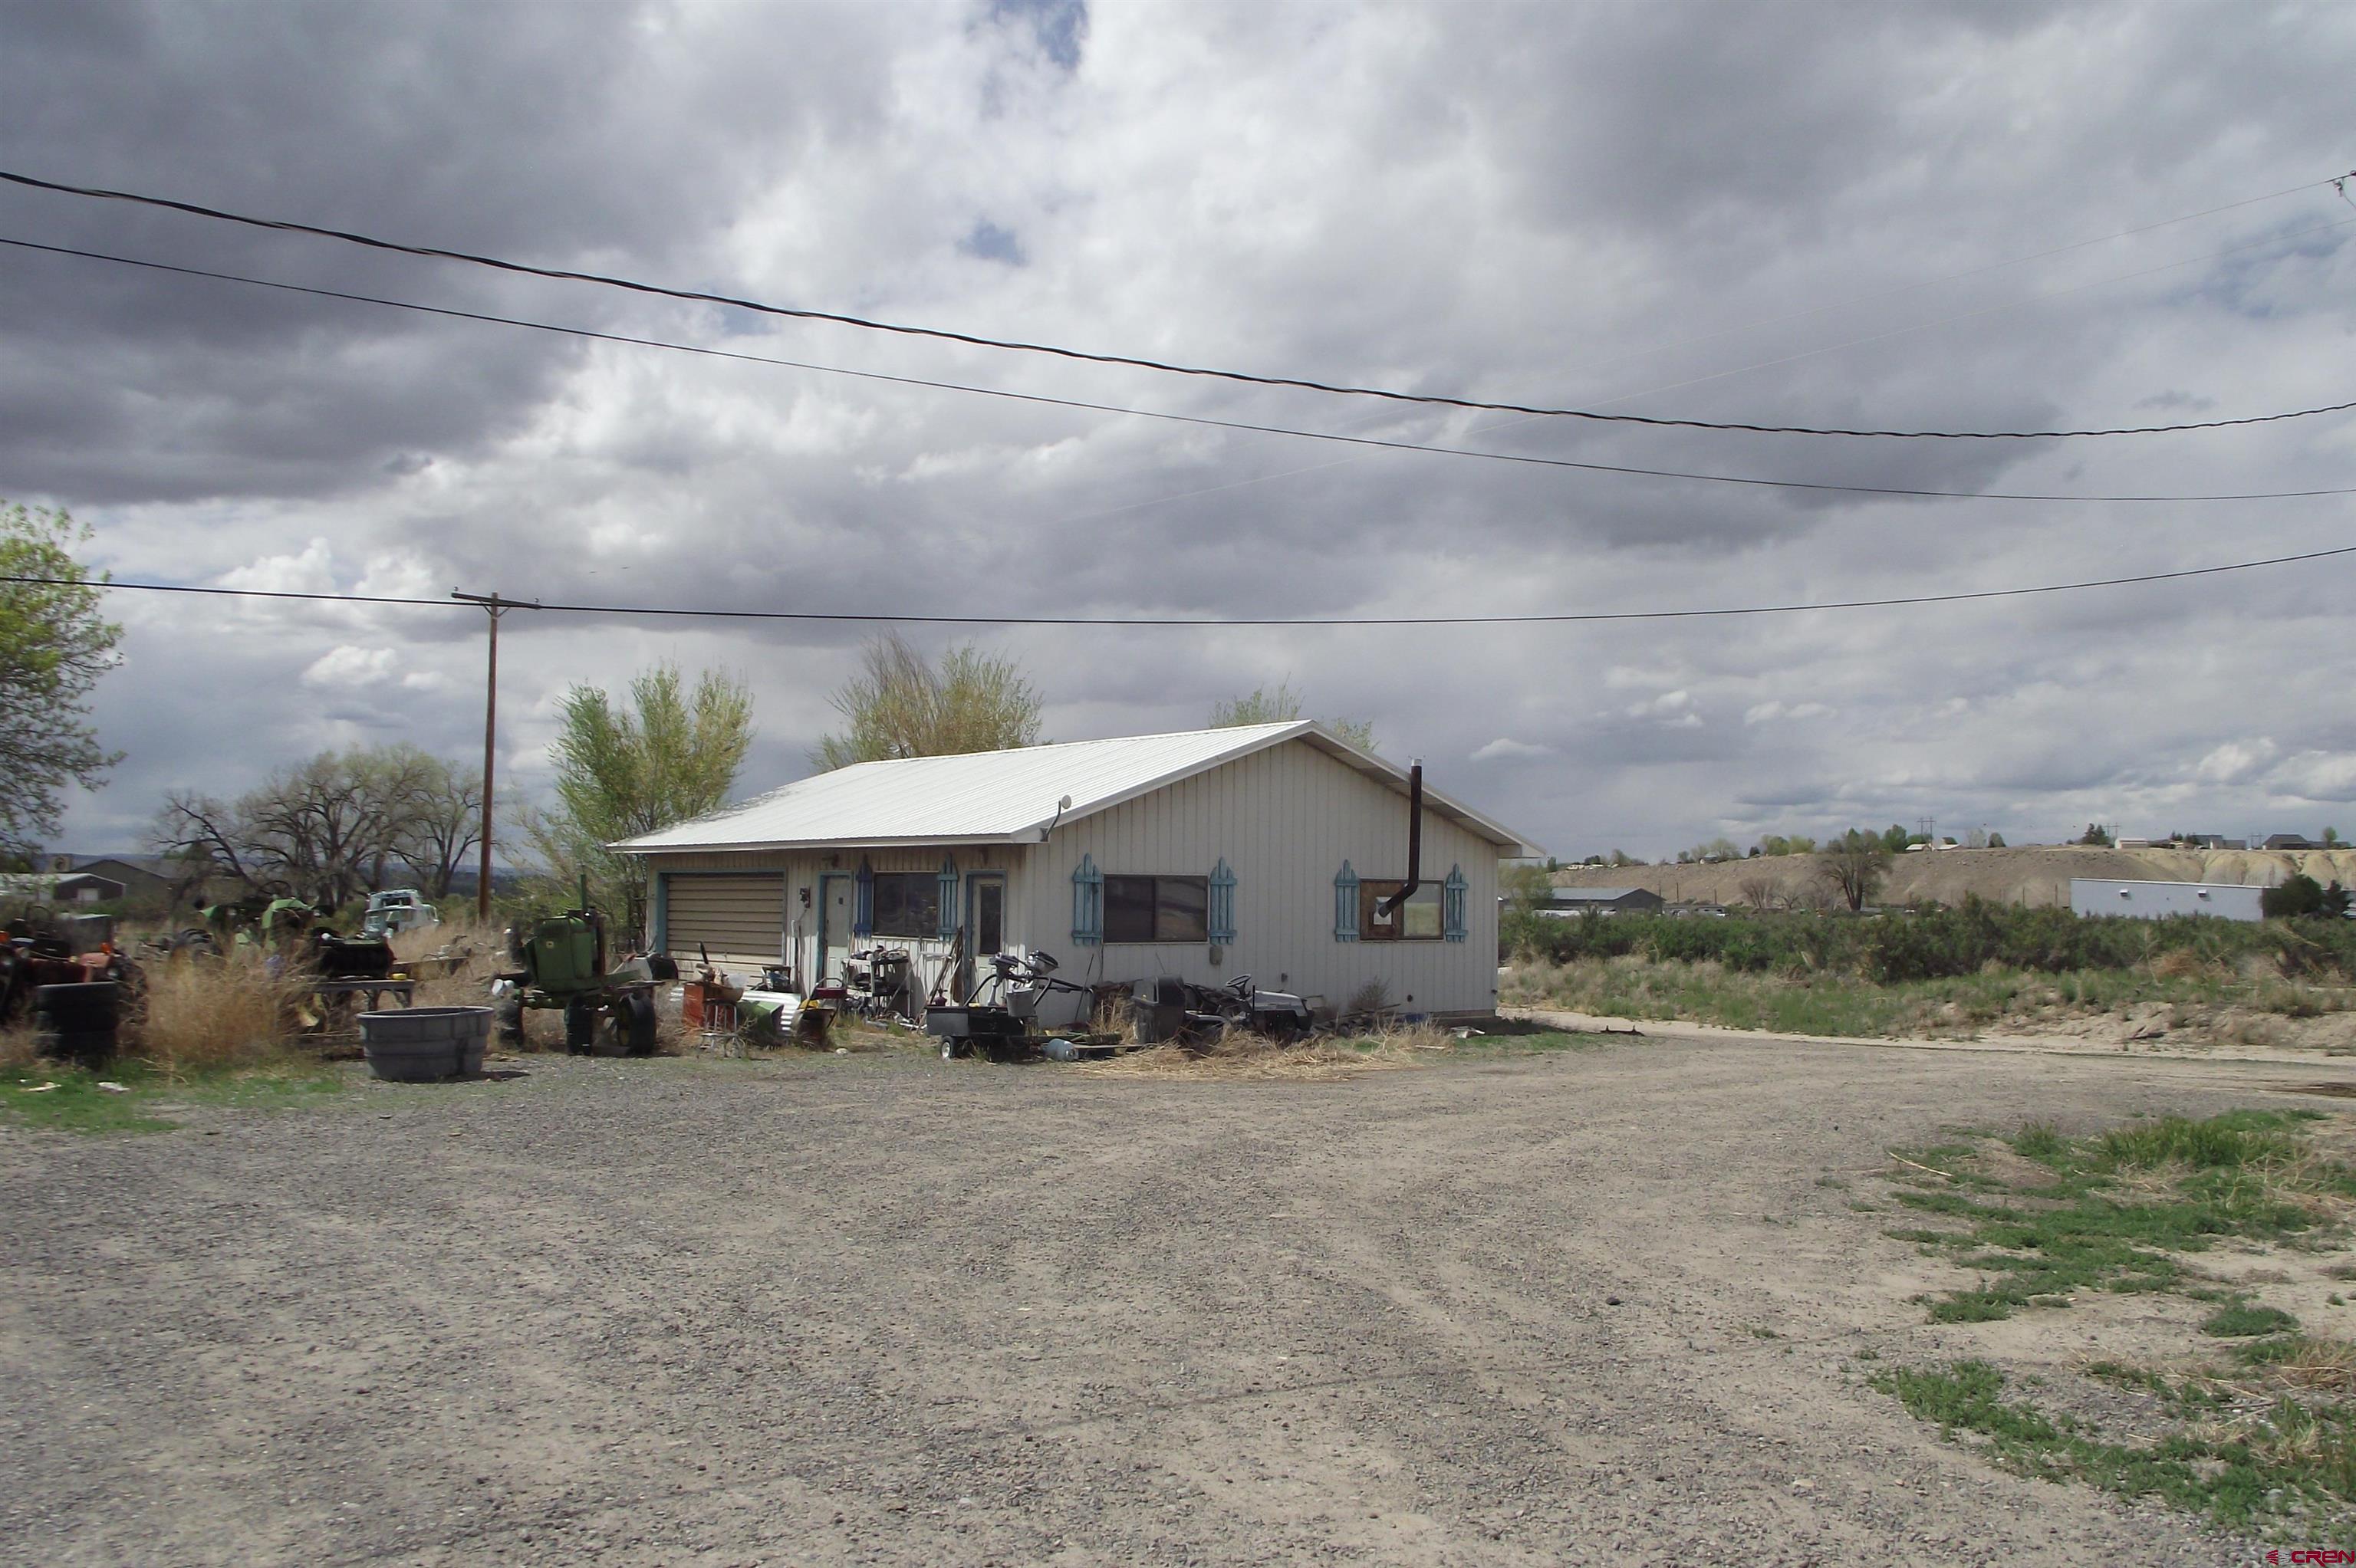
pixel 975 340
pixel 1526 459
pixel 865 617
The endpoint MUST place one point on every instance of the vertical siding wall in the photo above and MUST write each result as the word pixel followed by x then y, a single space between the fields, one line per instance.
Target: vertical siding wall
pixel 798 923
pixel 1284 820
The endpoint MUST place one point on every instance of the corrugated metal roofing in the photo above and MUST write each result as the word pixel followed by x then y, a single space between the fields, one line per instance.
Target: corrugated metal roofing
pixel 1005 797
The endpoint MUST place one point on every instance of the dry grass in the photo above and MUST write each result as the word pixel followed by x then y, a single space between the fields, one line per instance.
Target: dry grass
pixel 17 1048
pixel 1254 1057
pixel 231 1012
pixel 2179 964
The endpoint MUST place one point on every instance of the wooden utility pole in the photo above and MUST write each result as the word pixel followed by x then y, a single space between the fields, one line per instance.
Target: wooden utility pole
pixel 496 607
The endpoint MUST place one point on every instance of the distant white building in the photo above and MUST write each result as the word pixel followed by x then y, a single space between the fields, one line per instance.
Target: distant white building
pixel 2158 901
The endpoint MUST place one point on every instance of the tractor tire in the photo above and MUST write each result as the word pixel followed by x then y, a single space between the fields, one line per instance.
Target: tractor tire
pixel 580 1027
pixel 78 1023
pixel 638 1023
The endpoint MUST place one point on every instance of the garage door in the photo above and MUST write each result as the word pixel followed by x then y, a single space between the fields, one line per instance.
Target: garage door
pixel 736 917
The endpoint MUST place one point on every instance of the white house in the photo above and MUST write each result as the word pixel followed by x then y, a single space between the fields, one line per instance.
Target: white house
pixel 1203 855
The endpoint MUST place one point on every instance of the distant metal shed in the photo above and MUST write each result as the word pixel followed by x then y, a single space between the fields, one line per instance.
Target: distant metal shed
pixel 2158 901
pixel 1601 901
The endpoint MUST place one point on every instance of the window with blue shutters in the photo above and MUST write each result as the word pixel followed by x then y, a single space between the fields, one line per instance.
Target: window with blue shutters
pixel 1087 903
pixel 1345 904
pixel 1452 904
pixel 1223 906
pixel 862 909
pixel 949 919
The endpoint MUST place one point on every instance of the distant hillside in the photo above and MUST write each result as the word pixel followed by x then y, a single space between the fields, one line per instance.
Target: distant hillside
pixel 2004 875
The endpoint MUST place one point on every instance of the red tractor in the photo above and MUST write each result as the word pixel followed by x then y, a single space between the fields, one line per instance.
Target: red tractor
pixel 65 975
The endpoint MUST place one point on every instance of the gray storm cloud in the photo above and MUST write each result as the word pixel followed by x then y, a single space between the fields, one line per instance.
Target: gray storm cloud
pixel 1721 211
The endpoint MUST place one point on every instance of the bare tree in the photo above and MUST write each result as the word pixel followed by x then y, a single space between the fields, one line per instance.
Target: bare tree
pixel 329 828
pixel 1760 893
pixel 441 822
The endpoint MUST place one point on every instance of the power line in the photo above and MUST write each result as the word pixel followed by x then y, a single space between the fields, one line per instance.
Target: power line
pixel 1526 459
pixel 1563 618
pixel 945 334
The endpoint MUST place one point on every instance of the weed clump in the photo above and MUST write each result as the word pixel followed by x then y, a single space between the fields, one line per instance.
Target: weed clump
pixel 205 1014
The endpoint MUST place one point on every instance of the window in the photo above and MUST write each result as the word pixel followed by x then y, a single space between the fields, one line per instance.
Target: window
pixel 1157 909
pixel 907 903
pixel 1418 920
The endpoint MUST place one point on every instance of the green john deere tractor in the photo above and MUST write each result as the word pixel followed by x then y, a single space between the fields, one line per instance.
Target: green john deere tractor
pixel 562 959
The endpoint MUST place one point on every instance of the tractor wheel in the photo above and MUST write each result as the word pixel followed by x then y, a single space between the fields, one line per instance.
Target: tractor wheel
pixel 580 1025
pixel 638 1023
pixel 77 1022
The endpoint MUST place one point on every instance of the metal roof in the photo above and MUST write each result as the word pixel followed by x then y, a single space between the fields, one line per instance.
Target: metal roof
pixel 1000 798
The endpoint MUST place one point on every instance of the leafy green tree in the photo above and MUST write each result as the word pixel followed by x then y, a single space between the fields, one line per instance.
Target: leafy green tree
pixel 2295 895
pixel 1283 706
pixel 624 770
pixel 1996 841
pixel 54 645
pixel 1896 838
pixel 1855 864
pixel 1525 886
pixel 902 704
pixel 2097 835
pixel 2335 902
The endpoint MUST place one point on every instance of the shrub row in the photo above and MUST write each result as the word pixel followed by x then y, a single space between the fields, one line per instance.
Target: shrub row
pixel 1936 942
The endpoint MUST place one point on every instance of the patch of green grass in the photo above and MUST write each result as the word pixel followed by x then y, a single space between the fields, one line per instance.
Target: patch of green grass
pixel 2040 1142
pixel 2087 1227
pixel 2220 1143
pixel 78 1104
pixel 69 1100
pixel 2293 1459
pixel 2247 1320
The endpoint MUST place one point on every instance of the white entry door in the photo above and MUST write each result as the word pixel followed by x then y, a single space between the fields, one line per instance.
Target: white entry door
pixel 833 928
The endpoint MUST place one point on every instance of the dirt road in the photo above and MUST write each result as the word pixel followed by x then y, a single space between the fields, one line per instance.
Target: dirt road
pixel 892 1310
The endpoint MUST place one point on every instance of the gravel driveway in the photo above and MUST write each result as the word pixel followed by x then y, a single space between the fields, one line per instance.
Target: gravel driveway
pixel 889 1309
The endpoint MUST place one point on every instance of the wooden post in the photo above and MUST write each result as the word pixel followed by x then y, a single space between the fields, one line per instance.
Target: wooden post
pixel 496 607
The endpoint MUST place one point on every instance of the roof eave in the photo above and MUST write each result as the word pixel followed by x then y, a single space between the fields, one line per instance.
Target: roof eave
pixel 1028 835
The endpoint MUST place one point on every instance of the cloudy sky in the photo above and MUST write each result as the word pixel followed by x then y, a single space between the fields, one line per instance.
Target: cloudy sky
pixel 1910 216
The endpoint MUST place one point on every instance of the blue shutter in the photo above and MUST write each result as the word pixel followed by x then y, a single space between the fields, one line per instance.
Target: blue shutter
pixel 1452 904
pixel 1087 903
pixel 1223 906
pixel 1345 904
pixel 862 909
pixel 948 921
